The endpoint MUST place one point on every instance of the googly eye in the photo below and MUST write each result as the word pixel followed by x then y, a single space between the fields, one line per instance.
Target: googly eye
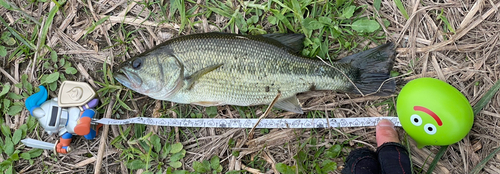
pixel 416 120
pixel 137 63
pixel 430 129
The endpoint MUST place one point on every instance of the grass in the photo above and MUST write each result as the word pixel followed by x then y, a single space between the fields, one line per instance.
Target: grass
pixel 332 29
pixel 322 22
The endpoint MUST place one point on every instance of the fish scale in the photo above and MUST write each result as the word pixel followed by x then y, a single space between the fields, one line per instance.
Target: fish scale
pixel 219 68
pixel 272 67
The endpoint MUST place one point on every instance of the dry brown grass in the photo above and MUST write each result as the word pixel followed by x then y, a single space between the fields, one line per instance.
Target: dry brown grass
pixel 467 59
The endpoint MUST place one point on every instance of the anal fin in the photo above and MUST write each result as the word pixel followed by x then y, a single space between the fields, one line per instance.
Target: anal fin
pixel 290 104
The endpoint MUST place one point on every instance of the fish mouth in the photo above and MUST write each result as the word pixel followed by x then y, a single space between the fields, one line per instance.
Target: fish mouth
pixel 128 79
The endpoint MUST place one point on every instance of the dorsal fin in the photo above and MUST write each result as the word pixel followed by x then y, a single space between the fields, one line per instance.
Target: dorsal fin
pixel 295 42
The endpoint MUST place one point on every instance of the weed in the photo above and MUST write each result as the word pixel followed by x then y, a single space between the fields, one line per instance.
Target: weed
pixel 212 166
pixel 149 154
pixel 309 160
pixel 324 23
pixel 10 145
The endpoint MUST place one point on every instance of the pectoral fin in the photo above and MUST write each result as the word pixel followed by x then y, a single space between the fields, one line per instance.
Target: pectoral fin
pixel 290 104
pixel 189 81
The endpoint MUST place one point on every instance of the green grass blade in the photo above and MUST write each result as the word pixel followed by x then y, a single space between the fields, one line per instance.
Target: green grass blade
pixel 18 37
pixel 486 98
pixel 47 24
pixel 401 8
pixel 480 166
pixel 438 156
pixel 477 108
pixel 182 12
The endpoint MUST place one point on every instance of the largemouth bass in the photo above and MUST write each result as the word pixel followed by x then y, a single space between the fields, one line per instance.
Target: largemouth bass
pixel 213 69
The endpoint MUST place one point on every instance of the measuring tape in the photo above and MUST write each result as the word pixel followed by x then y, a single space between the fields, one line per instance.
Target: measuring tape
pixel 295 123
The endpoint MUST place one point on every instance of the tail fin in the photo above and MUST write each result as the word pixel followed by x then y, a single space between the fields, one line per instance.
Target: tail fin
pixel 375 67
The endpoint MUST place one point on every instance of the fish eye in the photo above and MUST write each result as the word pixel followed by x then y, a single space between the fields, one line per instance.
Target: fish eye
pixel 416 120
pixel 137 63
pixel 430 129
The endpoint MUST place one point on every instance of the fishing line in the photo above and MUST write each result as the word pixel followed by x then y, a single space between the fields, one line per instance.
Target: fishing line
pixel 342 74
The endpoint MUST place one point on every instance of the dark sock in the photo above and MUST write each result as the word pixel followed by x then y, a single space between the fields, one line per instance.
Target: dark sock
pixel 394 158
pixel 361 161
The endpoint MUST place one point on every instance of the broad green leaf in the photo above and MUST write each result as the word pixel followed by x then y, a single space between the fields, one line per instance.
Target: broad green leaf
pixel 312 24
pixel 285 169
pixel 9 41
pixel 52 78
pixel 240 22
pixel 5 34
pixel 180 172
pixel 325 20
pixel 219 168
pixel 6 131
pixel 10 170
pixel 215 162
pixel 175 164
pixel 15 155
pixel 348 12
pixel 252 20
pixel 211 111
pixel 365 25
pixel 155 140
pixel 328 166
pixel 334 151
pixel 24 130
pixel 32 122
pixel 198 167
pixel 17 136
pixel 8 147
pixel 272 20
pixel 177 156
pixel 177 147
pixel 25 156
pixel 394 73
pixel 35 153
pixel 136 164
pixel 53 86
pixel 206 164
pixel 3 51
pixel 15 96
pixel 15 109
pixel 5 163
pixel 46 65
pixel 62 62
pixel 6 104
pixel 71 70
pixel 5 89
pixel 376 4
pixel 53 56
